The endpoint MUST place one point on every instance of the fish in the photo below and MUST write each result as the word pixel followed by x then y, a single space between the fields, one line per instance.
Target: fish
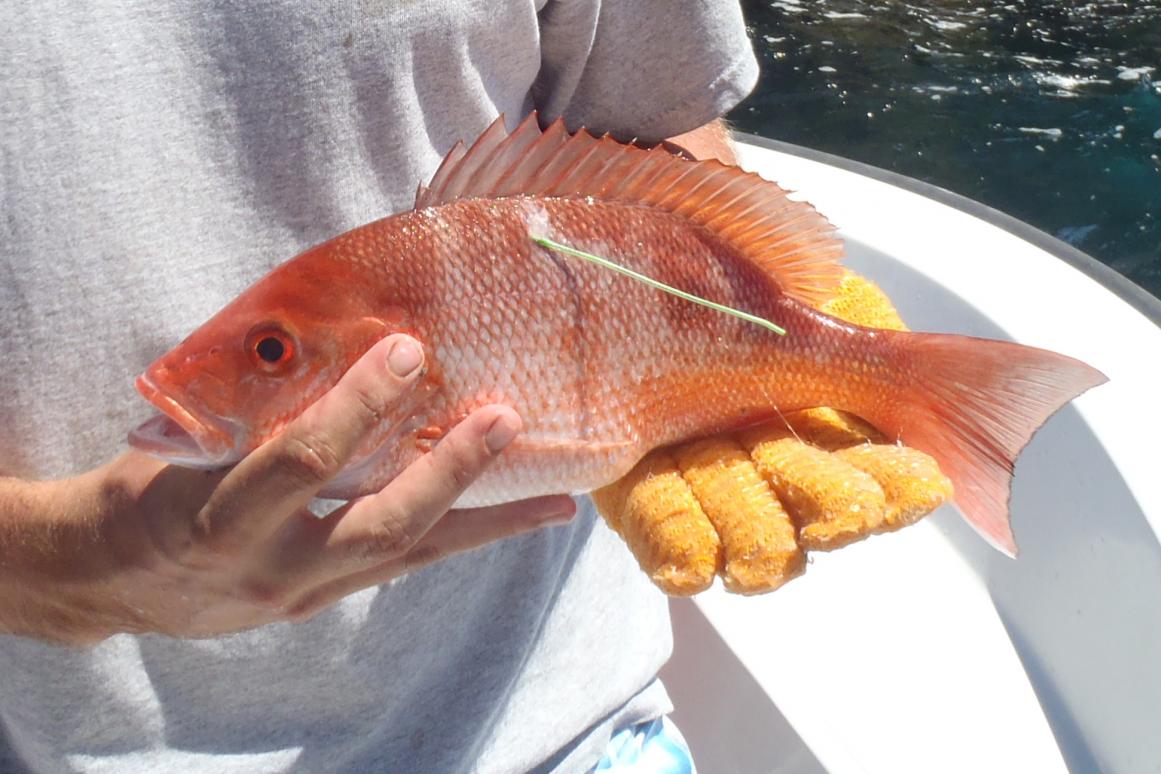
pixel 601 368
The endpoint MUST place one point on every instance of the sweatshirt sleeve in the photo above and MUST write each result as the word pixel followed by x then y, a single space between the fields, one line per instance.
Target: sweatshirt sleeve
pixel 644 69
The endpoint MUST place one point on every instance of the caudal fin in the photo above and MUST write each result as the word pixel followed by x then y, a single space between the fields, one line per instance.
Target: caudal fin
pixel 974 404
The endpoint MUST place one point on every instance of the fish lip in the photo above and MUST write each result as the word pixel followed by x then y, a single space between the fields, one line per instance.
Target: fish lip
pixel 205 441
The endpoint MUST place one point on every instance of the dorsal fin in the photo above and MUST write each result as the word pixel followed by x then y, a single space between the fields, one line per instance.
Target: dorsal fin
pixel 788 239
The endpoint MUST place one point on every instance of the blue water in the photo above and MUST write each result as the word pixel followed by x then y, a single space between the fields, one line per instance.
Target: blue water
pixel 1048 111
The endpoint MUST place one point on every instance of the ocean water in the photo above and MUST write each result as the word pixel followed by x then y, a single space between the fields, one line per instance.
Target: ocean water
pixel 1049 111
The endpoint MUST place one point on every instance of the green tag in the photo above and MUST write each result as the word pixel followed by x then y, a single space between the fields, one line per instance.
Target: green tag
pixel 551 245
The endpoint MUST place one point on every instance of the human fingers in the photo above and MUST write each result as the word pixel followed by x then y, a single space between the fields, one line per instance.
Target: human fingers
pixel 285 473
pixel 457 532
pixel 388 524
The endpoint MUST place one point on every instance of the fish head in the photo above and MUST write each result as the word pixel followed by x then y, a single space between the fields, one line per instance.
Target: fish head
pixel 241 377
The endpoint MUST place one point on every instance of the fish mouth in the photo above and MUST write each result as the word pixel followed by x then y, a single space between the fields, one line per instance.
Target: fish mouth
pixel 179 437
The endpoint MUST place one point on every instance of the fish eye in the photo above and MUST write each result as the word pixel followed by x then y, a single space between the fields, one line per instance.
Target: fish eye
pixel 269 347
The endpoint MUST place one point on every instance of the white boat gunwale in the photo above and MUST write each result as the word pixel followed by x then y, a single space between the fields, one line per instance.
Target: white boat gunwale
pixel 1127 290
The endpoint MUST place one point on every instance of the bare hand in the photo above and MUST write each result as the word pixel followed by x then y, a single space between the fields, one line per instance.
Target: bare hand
pixel 139 546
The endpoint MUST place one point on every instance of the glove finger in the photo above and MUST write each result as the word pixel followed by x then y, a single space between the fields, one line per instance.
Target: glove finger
pixel 831 429
pixel 862 302
pixel 832 502
pixel 757 535
pixel 911 481
pixel 656 514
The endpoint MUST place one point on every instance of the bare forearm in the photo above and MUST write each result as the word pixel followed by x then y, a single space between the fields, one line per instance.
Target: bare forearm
pixel 711 141
pixel 21 539
pixel 36 598
pixel 61 529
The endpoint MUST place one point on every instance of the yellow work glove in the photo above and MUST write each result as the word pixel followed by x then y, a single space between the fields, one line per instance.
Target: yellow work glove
pixel 748 505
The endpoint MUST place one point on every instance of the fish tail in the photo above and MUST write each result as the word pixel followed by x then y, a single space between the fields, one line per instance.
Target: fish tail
pixel 973 404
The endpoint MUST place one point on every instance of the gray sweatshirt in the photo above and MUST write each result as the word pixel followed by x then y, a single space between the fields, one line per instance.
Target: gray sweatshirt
pixel 157 158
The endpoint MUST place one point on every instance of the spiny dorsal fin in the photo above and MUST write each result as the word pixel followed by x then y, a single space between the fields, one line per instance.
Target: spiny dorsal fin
pixel 790 240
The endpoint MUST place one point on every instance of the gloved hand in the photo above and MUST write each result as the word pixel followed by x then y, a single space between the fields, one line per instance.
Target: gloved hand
pixel 747 505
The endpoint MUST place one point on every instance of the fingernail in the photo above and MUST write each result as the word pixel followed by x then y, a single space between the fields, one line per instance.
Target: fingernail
pixel 501 433
pixel 404 357
pixel 559 517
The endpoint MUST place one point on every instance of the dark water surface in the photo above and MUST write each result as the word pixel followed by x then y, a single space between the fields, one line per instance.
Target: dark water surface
pixel 1045 110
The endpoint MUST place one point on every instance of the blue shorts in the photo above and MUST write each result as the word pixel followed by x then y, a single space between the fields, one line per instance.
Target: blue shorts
pixel 652 747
